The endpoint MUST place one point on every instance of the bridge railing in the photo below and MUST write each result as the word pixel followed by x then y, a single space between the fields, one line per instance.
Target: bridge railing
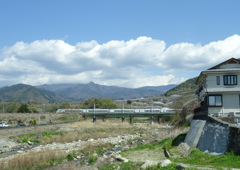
pixel 113 111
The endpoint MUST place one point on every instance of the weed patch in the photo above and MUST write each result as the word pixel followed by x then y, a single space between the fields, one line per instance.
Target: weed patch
pixel 92 159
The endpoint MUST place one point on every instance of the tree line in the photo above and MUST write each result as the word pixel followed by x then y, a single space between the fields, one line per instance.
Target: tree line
pixel 34 107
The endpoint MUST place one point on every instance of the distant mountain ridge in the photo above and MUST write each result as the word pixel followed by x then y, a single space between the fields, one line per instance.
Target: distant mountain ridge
pixel 75 92
pixel 90 90
pixel 25 93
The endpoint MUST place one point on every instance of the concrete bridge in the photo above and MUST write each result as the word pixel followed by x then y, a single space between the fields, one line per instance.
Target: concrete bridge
pixel 152 114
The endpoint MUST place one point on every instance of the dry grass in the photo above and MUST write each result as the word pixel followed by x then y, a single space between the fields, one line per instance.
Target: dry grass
pixel 88 130
pixel 81 130
pixel 32 159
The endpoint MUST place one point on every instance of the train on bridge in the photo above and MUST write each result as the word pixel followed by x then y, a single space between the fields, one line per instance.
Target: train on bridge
pixel 113 111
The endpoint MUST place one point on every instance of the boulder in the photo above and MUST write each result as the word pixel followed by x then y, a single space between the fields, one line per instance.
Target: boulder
pixel 30 143
pixel 166 162
pixel 180 167
pixel 120 158
pixel 148 163
pixel 184 149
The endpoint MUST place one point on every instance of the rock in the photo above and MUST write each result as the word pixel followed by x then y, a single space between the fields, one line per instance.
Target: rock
pixel 111 160
pixel 126 147
pixel 148 163
pixel 117 149
pixel 132 142
pixel 180 166
pixel 166 153
pixel 104 156
pixel 140 142
pixel 184 148
pixel 30 143
pixel 120 158
pixel 166 162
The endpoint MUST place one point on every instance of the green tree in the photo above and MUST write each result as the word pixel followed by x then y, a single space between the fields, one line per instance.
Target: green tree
pixel 105 103
pixel 12 106
pixel 23 109
pixel 64 106
pixel 108 103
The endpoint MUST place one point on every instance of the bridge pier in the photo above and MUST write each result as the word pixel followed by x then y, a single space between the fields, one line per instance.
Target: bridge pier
pixel 94 119
pixel 103 119
pixel 151 120
pixel 159 119
pixel 131 119
pixel 123 119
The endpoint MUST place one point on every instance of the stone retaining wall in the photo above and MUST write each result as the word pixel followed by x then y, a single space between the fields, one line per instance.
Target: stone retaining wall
pixel 215 137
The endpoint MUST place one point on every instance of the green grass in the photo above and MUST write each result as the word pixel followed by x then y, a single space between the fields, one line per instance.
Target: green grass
pixel 123 166
pixel 27 135
pixel 200 158
pixel 196 157
pixel 164 143
pixel 37 137
pixel 33 137
pixel 137 166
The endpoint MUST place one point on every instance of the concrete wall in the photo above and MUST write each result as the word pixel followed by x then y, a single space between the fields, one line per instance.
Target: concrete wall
pixel 213 136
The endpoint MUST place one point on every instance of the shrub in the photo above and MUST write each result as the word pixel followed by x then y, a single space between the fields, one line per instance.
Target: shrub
pixel 43 117
pixel 34 122
pixel 92 159
pixel 70 156
pixel 25 140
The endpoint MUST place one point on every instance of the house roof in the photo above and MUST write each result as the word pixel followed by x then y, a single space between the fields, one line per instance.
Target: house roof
pixel 216 68
pixel 229 61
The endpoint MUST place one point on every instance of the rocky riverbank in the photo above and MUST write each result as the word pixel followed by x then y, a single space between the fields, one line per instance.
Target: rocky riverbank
pixel 82 151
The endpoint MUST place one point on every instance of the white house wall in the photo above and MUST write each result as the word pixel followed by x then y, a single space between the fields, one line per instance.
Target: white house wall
pixel 212 83
pixel 230 103
pixel 225 66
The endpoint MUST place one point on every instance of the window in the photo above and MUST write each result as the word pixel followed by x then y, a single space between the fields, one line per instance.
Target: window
pixel 218 80
pixel 230 79
pixel 215 100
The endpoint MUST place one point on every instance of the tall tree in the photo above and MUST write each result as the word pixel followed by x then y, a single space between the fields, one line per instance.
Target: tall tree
pixel 23 109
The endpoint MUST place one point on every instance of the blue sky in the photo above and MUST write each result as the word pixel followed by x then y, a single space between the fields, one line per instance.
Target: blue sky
pixel 130 43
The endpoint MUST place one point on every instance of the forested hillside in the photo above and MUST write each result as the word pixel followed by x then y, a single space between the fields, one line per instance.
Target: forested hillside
pixel 186 87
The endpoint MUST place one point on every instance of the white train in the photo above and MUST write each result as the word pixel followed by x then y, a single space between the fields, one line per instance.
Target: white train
pixel 99 111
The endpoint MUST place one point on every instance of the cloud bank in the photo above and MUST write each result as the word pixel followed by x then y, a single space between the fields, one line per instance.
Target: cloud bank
pixel 134 63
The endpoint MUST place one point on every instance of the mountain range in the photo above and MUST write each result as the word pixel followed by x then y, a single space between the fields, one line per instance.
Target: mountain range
pixel 76 92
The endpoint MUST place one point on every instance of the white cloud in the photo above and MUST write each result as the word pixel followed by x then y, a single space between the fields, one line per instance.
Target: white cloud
pixel 134 63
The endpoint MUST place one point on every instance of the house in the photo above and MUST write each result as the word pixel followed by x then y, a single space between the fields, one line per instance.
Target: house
pixel 219 90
